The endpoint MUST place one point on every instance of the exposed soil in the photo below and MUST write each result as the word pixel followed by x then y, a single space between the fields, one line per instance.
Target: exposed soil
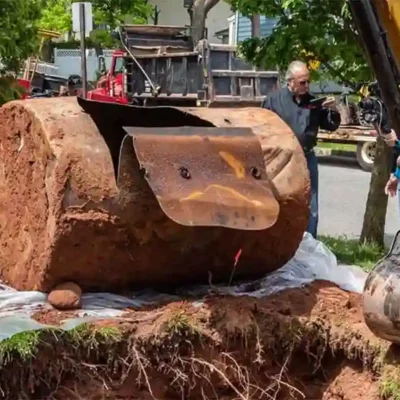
pixel 306 343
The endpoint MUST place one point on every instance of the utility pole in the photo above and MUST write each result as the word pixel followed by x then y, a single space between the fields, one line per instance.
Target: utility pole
pixel 82 22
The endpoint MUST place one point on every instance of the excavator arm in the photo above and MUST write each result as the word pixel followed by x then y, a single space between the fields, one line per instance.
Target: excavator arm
pixel 378 25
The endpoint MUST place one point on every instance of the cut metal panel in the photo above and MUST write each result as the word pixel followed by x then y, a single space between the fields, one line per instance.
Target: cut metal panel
pixel 202 176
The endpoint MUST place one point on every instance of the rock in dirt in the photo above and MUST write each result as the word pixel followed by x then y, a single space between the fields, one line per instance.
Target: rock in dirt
pixel 67 296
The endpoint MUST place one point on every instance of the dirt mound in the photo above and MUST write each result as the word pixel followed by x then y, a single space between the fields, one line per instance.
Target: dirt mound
pixel 299 344
pixel 62 217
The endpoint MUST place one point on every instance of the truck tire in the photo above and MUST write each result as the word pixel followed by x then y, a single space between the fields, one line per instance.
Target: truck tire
pixel 366 155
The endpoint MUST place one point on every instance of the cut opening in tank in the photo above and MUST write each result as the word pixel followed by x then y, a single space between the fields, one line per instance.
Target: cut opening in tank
pixel 111 118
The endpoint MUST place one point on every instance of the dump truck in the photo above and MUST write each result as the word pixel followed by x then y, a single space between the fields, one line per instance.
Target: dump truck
pixel 187 181
pixel 158 65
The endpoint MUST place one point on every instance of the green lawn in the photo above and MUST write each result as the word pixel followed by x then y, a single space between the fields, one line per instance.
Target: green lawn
pixel 351 252
pixel 337 146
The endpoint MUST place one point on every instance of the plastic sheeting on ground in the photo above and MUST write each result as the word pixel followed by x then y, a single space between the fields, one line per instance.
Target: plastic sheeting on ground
pixel 312 261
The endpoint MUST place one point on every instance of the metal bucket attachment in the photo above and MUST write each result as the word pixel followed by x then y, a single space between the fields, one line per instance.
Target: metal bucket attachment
pixel 202 176
pixel 381 297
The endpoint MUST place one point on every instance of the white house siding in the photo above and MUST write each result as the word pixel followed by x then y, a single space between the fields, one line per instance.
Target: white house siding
pixel 172 12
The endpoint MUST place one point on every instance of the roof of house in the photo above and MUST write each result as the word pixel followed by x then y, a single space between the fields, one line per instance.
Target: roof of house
pixel 224 31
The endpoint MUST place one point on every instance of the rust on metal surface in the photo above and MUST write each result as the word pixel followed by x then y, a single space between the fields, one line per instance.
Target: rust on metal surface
pixel 381 296
pixel 202 176
pixel 81 227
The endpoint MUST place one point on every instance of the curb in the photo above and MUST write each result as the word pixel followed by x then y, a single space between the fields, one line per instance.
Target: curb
pixel 320 152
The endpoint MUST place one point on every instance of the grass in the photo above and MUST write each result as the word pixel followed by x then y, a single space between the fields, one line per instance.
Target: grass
pixel 337 146
pixel 25 345
pixel 180 324
pixel 390 389
pixel 349 251
pixel 389 386
pixel 22 344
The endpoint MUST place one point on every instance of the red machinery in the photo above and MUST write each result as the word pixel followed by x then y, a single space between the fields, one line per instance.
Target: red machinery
pixel 110 87
pixel 25 83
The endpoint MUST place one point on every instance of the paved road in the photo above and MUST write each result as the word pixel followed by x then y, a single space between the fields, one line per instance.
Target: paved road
pixel 343 193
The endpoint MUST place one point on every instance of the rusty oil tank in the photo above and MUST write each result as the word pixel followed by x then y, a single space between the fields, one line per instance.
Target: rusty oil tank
pixel 120 197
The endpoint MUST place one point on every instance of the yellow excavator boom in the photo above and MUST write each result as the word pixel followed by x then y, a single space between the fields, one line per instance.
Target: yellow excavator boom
pixel 389 14
pixel 378 24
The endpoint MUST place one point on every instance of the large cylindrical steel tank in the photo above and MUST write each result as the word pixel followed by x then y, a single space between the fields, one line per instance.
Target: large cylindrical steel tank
pixel 64 216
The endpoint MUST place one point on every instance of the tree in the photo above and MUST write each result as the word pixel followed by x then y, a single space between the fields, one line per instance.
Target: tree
pixel 108 14
pixel 56 16
pixel 373 229
pixel 18 33
pixel 18 40
pixel 198 17
pixel 311 31
pixel 10 89
pixel 115 12
pixel 305 30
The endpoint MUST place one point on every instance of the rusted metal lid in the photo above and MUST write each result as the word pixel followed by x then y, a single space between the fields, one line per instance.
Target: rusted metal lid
pixel 204 176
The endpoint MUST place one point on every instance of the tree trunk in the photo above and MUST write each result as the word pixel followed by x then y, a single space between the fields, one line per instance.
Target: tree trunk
pixel 98 49
pixel 47 51
pixel 255 26
pixel 375 212
pixel 199 20
pixel 200 11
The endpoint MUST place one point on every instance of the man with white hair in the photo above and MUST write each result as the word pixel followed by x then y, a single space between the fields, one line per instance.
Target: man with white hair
pixel 294 104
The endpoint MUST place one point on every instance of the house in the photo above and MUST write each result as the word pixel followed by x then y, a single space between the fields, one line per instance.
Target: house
pixel 243 30
pixel 173 12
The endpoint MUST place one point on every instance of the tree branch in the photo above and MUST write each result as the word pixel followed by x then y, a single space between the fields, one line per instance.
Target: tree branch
pixel 331 69
pixel 199 21
pixel 209 5
pixel 340 76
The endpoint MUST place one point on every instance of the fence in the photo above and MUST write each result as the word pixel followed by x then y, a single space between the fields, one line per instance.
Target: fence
pixel 68 62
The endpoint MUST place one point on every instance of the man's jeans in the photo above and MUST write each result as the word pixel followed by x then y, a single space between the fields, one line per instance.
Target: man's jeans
pixel 312 163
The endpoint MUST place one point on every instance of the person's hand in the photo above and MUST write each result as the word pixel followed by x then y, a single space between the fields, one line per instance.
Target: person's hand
pixel 391 186
pixel 389 138
pixel 330 102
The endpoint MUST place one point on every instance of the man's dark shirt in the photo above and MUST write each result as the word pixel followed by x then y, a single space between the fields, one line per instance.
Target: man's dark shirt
pixel 303 118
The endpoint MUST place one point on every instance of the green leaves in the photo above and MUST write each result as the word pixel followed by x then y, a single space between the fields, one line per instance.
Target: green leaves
pixel 113 12
pixel 56 15
pixel 308 30
pixel 17 31
pixel 287 4
pixel 20 20
pixel 10 89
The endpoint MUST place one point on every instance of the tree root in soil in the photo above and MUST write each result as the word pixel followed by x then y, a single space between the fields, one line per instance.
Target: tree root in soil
pixel 188 353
